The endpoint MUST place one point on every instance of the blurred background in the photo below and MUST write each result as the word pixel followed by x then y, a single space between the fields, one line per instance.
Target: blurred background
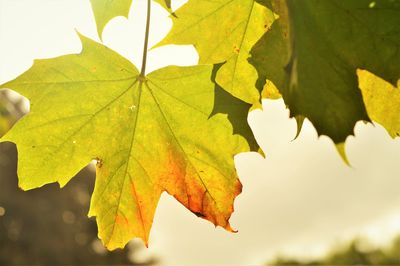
pixel 300 205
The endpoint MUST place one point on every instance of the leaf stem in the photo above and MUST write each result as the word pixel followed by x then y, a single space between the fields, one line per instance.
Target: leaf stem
pixel 146 40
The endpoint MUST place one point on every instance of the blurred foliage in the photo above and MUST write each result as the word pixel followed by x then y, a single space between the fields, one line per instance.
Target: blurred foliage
pixel 358 252
pixel 49 226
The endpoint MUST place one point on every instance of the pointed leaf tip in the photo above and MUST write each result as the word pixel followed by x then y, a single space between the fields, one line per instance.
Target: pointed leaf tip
pixel 341 149
pixel 299 122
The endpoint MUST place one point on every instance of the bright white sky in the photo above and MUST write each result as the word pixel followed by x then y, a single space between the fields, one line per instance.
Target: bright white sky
pixel 299 200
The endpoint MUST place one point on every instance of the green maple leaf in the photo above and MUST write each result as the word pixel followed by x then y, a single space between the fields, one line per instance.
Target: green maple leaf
pixel 148 134
pixel 312 53
pixel 224 31
pixel 105 10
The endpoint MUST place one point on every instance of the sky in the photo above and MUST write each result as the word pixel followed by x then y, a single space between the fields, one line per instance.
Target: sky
pixel 300 199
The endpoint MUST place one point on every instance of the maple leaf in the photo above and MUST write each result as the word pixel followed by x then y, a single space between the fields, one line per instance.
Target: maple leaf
pixel 105 10
pixel 148 134
pixel 312 53
pixel 382 101
pixel 5 120
pixel 236 111
pixel 224 31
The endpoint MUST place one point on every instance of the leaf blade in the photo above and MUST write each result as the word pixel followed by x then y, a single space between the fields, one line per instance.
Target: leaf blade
pixel 230 39
pixel 148 136
pixel 317 72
